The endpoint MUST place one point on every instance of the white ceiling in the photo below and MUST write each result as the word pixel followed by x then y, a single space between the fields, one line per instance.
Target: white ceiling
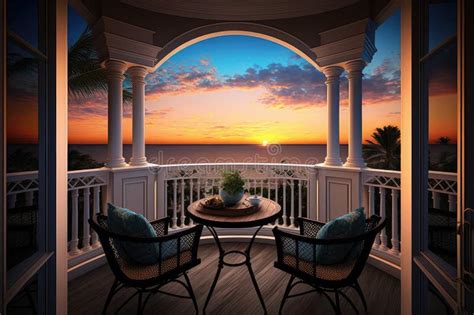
pixel 240 10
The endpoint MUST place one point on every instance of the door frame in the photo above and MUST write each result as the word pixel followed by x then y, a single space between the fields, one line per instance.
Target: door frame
pixel 3 150
pixel 57 153
pixel 411 141
pixel 416 266
pixel 54 264
pixel 466 148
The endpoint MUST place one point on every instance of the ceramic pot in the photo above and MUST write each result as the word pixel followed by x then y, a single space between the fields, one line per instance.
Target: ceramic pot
pixel 231 200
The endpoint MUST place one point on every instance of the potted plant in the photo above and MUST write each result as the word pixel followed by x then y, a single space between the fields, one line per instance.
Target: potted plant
pixel 232 189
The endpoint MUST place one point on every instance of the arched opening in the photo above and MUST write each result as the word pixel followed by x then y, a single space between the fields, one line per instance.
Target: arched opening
pixel 254 97
pixel 237 28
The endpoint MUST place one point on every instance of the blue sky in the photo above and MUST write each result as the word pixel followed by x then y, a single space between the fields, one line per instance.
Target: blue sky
pixel 387 41
pixel 234 54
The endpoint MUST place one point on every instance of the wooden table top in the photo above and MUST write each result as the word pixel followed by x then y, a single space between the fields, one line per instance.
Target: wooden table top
pixel 268 212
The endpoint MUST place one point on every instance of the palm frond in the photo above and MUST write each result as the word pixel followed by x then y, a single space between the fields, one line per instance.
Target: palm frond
pixel 383 150
pixel 18 64
pixel 86 76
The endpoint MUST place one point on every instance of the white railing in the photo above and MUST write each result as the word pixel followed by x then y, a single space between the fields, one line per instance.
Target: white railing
pixel 87 195
pixel 382 197
pixel 22 189
pixel 293 186
pixel 288 184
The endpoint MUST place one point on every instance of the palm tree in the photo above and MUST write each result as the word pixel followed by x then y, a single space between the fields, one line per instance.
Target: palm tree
pixel 85 75
pixel 383 151
pixel 443 140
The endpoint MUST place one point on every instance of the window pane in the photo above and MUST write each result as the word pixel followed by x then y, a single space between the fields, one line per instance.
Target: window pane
pixel 26 301
pixel 22 154
pixel 440 71
pixel 442 21
pixel 436 304
pixel 22 19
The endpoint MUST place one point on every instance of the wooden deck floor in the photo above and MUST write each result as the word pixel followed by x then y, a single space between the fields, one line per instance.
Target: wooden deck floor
pixel 234 293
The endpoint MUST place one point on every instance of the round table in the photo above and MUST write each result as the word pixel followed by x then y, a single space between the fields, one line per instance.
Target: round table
pixel 268 212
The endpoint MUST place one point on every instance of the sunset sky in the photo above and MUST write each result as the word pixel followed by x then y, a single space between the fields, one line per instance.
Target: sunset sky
pixel 238 89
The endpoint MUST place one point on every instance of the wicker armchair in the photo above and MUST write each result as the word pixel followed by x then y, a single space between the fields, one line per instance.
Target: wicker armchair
pixel 149 278
pixel 324 278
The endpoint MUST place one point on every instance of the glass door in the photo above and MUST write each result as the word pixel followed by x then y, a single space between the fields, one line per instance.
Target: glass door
pixel 466 185
pixel 437 258
pixel 27 251
pixel 437 190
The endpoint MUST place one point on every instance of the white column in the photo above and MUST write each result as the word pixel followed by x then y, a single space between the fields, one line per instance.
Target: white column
pixel 383 215
pixel 395 210
pixel 354 69
pixel 332 74
pixel 115 77
pixel 74 242
pixel 137 75
pixel 452 203
pixel 436 200
pixel 86 237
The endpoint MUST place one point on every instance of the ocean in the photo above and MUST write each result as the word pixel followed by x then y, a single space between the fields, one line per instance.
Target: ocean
pixel 227 153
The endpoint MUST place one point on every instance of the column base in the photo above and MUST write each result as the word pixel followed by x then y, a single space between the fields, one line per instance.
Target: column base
pixel 355 162
pixel 138 161
pixel 116 163
pixel 330 161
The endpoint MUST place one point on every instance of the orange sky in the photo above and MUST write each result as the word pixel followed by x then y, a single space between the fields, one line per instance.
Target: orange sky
pixel 231 116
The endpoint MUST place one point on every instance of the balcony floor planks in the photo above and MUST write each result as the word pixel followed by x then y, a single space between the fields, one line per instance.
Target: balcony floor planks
pixel 234 293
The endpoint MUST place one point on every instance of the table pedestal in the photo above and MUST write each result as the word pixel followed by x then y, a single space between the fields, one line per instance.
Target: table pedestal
pixel 222 263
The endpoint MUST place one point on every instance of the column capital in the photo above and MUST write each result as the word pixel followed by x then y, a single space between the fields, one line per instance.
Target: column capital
pixel 115 68
pixel 355 66
pixel 332 73
pixel 138 73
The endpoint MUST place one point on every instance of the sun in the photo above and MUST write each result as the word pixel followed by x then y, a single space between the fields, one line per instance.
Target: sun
pixel 265 143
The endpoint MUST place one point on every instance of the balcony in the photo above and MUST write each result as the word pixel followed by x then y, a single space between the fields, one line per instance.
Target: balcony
pixel 87 293
pixel 422 252
pixel 311 191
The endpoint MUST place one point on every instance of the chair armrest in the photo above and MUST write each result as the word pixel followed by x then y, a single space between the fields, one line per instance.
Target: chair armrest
pixel 183 241
pixel 161 226
pixel 295 251
pixel 309 227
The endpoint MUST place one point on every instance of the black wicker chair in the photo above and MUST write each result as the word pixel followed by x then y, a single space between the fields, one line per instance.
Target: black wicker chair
pixel 324 278
pixel 149 278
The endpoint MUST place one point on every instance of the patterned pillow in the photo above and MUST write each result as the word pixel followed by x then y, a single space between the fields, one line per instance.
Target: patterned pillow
pixel 348 225
pixel 126 222
pixel 351 224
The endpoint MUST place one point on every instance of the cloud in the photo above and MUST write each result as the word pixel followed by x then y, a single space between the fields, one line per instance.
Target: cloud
pixel 94 107
pixel 204 62
pixel 382 85
pixel 296 86
pixel 168 80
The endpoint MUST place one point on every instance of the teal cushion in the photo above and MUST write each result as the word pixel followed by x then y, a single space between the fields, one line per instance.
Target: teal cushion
pixel 348 225
pixel 126 222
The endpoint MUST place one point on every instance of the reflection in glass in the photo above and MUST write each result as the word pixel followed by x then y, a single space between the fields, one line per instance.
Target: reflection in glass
pixel 440 71
pixel 26 301
pixel 436 304
pixel 441 21
pixel 22 154
pixel 22 19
